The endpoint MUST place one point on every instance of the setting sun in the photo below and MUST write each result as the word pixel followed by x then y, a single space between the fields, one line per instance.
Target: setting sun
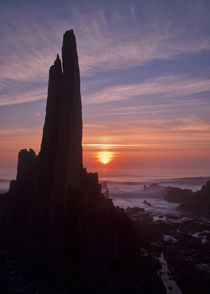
pixel 105 156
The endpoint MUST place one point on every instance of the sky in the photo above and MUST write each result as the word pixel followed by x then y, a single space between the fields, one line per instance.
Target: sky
pixel 145 82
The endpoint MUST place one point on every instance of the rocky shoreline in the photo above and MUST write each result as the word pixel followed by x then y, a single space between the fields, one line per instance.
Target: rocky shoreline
pixel 183 241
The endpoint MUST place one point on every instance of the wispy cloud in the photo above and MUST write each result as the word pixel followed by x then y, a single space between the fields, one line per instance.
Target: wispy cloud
pixel 180 134
pixel 167 86
pixel 14 91
pixel 108 145
pixel 108 38
pixel 117 39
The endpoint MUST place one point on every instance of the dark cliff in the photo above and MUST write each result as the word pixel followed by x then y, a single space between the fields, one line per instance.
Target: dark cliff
pixel 55 216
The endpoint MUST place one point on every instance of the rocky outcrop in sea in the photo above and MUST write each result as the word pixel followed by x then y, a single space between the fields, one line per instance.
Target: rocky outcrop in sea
pixel 197 203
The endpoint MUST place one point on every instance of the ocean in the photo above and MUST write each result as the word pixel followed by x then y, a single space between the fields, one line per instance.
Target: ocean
pixel 130 193
pixel 133 194
pixel 4 185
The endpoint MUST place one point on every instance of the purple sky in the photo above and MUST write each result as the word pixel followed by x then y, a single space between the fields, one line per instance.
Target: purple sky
pixel 145 78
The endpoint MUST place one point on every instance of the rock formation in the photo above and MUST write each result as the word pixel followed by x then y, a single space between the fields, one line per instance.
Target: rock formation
pixel 55 216
pixel 199 203
pixel 61 148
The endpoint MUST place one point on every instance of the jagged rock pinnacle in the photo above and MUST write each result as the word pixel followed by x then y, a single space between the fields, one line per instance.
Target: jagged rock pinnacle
pixel 69 52
pixel 61 148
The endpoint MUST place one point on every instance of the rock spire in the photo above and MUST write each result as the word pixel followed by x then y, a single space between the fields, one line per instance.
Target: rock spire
pixel 61 148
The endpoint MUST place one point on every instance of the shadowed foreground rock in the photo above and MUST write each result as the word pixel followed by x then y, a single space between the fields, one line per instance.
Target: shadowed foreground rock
pixel 55 218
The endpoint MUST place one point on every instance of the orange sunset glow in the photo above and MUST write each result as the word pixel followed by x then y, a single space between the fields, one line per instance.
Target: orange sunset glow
pixel 105 156
pixel 145 91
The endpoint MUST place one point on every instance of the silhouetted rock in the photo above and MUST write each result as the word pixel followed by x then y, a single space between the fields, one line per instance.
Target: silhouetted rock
pixel 199 203
pixel 66 232
pixel 194 202
pixel 174 194
pixel 16 204
pixel 26 164
pixel 60 156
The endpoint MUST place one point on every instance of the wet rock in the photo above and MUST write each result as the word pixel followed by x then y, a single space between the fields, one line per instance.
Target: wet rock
pixel 147 203
pixel 135 210
pixel 174 194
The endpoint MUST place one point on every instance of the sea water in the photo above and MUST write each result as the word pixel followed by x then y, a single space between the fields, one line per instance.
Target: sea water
pixel 4 185
pixel 135 194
